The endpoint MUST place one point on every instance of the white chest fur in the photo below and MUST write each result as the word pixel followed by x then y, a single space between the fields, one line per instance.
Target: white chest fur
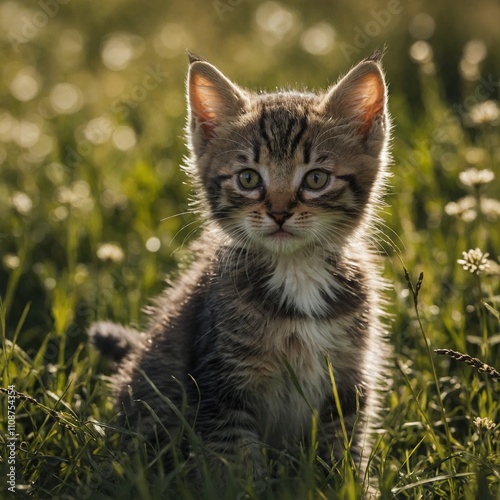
pixel 304 282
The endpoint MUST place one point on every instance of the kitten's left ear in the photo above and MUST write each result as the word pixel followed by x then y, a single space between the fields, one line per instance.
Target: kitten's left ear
pixel 360 96
pixel 213 99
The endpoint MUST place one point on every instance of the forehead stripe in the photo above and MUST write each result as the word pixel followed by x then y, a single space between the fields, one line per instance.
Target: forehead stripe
pixel 263 131
pixel 256 151
pixel 300 133
pixel 307 152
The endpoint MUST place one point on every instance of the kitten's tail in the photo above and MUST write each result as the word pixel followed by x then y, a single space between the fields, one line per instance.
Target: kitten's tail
pixel 114 341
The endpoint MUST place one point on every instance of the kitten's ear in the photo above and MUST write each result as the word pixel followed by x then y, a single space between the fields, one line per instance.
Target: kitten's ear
pixel 212 98
pixel 361 95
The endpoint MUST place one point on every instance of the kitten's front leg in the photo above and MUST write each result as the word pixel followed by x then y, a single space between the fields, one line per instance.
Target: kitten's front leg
pixel 333 447
pixel 332 440
pixel 229 431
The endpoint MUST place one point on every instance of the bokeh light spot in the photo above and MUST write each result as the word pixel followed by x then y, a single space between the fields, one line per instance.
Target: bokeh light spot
pixel 422 26
pixel 26 134
pixel 475 51
pixel 65 98
pixel 421 52
pixel 318 39
pixel 124 138
pixel 120 49
pixel 275 21
pixel 153 244
pixel 98 130
pixel 25 84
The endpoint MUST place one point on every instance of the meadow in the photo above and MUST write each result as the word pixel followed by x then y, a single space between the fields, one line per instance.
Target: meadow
pixel 94 214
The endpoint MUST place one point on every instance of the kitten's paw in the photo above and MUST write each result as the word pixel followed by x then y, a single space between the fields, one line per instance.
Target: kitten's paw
pixel 113 340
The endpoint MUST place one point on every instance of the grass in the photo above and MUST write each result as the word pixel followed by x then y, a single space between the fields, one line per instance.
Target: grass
pixel 86 240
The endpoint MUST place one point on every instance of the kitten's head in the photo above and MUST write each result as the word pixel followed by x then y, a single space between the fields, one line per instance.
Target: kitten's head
pixel 288 170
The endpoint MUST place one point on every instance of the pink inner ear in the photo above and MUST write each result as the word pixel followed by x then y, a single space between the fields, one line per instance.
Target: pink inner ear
pixel 204 102
pixel 370 95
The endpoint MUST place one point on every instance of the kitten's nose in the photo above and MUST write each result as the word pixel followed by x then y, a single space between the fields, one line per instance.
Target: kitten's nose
pixel 279 217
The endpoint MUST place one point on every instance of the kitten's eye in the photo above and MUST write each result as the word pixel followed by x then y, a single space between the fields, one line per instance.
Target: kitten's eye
pixel 316 179
pixel 249 179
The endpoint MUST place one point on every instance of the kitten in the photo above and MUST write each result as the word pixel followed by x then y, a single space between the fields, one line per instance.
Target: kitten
pixel 282 281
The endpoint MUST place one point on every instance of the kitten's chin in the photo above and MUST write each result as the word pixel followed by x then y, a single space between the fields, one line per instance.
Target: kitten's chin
pixel 282 241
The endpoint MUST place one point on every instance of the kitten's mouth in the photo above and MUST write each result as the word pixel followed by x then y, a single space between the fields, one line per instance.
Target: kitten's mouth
pixel 281 234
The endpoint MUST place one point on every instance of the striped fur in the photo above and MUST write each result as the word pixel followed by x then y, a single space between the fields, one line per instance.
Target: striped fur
pixel 282 278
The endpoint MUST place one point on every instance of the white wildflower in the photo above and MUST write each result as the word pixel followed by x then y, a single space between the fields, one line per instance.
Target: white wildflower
pixel 490 207
pixel 484 423
pixel 469 215
pixel 77 195
pixel 493 268
pixel 10 261
pixel 464 208
pixel 22 202
pixel 485 112
pixel 474 177
pixel 65 195
pixel 474 261
pixel 110 252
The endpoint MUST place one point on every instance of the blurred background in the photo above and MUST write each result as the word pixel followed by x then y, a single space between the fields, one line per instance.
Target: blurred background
pixel 92 110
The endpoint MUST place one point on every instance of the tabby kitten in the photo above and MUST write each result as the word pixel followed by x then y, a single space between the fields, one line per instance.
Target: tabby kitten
pixel 282 282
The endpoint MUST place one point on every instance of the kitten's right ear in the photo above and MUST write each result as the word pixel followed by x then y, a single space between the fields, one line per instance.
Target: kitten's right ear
pixel 213 98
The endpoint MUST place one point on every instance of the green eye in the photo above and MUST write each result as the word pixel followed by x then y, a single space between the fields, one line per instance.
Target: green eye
pixel 249 179
pixel 316 179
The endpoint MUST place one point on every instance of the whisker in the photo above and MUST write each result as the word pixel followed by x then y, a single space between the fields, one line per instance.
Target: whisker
pixel 189 212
